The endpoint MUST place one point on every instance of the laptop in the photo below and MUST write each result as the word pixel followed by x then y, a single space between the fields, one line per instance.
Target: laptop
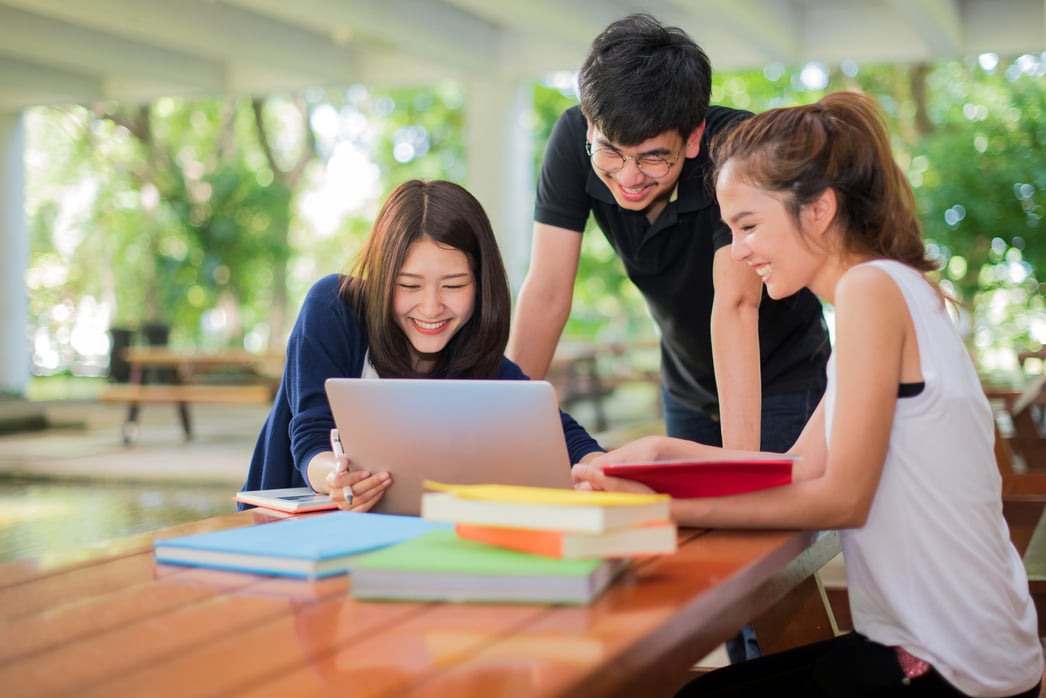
pixel 465 432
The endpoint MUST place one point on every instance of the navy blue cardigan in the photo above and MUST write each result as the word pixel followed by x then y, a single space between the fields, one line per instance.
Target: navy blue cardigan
pixel 326 342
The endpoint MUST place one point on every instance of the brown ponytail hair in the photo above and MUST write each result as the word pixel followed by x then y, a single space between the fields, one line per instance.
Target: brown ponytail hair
pixel 841 142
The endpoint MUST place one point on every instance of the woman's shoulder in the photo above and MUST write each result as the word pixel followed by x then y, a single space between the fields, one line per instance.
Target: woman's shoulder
pixel 875 295
pixel 880 275
pixel 327 293
pixel 866 282
pixel 328 286
pixel 325 302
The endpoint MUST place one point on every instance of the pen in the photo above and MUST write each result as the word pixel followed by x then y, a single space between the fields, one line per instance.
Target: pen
pixel 336 444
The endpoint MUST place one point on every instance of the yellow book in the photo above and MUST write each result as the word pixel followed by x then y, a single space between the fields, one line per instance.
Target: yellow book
pixel 541 508
pixel 518 494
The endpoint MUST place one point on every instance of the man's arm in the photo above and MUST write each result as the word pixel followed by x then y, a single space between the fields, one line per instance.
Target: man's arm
pixel 735 350
pixel 543 305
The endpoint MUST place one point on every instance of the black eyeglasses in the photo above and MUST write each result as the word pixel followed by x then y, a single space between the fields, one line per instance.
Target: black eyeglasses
pixel 610 161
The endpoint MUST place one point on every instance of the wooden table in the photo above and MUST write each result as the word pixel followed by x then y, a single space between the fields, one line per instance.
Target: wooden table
pixel 180 383
pixel 114 623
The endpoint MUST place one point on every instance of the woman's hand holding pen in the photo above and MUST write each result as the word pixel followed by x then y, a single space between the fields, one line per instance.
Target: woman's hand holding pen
pixel 354 490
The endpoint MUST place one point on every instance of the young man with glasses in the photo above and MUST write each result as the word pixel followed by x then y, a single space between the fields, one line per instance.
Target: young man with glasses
pixel 737 368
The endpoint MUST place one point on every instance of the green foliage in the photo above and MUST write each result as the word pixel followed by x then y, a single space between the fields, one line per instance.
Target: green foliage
pixel 187 213
pixel 369 140
pixel 172 221
pixel 981 174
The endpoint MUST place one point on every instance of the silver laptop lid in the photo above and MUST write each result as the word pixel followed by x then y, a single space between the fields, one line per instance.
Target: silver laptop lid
pixel 454 431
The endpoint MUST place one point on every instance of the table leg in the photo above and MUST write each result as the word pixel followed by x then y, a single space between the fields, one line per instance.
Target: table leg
pixel 183 411
pixel 129 431
pixel 802 616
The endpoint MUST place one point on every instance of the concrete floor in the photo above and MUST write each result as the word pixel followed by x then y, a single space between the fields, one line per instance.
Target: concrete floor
pixel 84 441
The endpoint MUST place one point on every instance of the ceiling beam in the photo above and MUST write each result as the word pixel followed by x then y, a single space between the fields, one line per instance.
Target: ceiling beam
pixel 430 31
pixel 210 30
pixel 138 49
pixel 772 29
pixel 937 22
pixel 576 23
pixel 1008 28
pixel 24 85
pixel 68 47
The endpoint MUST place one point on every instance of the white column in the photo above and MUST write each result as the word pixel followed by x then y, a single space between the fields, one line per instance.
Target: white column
pixel 15 366
pixel 500 161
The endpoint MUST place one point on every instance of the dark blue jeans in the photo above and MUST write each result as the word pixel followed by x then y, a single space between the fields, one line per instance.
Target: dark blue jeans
pixel 783 418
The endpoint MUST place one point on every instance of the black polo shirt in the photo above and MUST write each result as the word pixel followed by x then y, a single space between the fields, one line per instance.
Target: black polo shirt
pixel 670 261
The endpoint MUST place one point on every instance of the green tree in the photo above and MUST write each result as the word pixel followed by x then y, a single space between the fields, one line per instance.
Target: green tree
pixel 219 213
pixel 970 136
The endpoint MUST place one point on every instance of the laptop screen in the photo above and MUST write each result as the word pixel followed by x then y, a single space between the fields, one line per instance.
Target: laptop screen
pixel 454 431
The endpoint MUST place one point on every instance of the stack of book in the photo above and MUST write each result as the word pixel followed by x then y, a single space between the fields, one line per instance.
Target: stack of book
pixel 518 544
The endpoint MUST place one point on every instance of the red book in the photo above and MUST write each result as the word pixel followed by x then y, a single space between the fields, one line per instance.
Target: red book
pixel 707 478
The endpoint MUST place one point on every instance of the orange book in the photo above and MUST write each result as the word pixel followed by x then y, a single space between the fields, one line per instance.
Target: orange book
pixel 632 541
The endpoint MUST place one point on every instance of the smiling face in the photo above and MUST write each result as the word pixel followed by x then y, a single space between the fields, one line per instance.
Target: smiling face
pixel 634 190
pixel 434 297
pixel 766 235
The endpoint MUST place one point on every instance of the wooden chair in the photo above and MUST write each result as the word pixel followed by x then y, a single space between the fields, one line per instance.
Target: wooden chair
pixel 1023 411
pixel 1028 415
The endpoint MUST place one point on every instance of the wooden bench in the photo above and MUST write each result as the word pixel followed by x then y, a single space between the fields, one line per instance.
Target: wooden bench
pixel 180 395
pixel 1027 416
pixel 154 393
pixel 185 377
pixel 1023 412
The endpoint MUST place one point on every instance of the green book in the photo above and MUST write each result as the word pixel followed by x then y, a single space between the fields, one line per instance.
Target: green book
pixel 440 566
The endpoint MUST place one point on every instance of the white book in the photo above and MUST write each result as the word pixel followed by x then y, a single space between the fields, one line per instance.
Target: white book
pixel 594 518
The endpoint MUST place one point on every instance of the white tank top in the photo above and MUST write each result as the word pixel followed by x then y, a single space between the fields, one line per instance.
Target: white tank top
pixel 933 569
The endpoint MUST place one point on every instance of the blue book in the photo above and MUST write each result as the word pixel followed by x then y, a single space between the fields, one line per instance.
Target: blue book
pixel 314 546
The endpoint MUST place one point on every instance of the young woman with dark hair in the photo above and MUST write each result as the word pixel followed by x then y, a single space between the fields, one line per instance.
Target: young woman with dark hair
pixel 428 298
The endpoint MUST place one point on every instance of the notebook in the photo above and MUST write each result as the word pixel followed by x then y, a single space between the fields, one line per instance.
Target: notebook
pixel 293 500
pixel 455 431
pixel 708 478
pixel 312 546
pixel 440 566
